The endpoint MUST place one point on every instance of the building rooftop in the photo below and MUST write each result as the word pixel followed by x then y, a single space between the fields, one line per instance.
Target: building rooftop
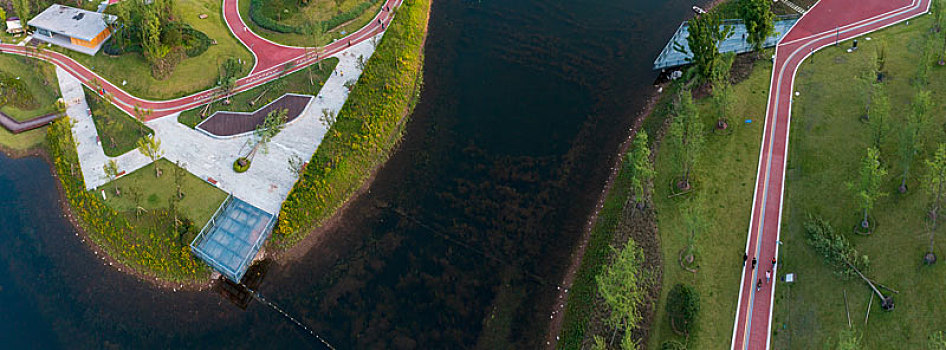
pixel 71 22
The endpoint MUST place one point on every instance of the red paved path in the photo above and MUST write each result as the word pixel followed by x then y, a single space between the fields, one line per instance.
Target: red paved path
pixel 826 22
pixel 270 58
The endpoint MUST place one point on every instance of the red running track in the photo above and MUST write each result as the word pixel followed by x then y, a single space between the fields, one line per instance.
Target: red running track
pixel 270 58
pixel 826 23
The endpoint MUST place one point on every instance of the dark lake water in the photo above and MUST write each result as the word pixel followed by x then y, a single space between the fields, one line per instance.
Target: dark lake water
pixel 461 240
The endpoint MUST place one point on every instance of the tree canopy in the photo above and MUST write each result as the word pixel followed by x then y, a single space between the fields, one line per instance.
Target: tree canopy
pixel 759 19
pixel 705 33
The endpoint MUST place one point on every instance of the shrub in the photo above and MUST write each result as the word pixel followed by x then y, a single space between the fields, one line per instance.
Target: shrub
pixel 672 345
pixel 152 254
pixel 241 165
pixel 365 131
pixel 258 17
pixel 683 306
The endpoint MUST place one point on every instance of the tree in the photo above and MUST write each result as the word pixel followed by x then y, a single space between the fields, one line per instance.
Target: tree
pixel 264 133
pixel 22 9
pixel 150 33
pixel 911 139
pixel 296 164
pixel 705 33
pixel 228 76
pixel 683 307
pixel 936 188
pixel 111 170
pixel 939 14
pixel 879 115
pixel 686 135
pixel 848 339
pixel 150 146
pixel 620 286
pixel 327 118
pixel 641 167
pixel 867 189
pixel 759 19
pixel 179 175
pixel 937 341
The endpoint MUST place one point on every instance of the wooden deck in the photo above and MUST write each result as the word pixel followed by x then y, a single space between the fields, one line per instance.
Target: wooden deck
pixel 17 127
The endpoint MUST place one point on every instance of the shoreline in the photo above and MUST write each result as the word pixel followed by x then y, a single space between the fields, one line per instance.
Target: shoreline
pixel 558 309
pixel 556 322
pixel 285 256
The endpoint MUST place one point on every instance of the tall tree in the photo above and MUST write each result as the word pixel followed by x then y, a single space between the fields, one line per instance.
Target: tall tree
pixel 274 123
pixel 867 188
pixel 911 139
pixel 22 9
pixel 150 32
pixel 150 146
pixel 880 113
pixel 620 285
pixel 705 33
pixel 641 167
pixel 227 80
pixel 111 170
pixel 936 188
pixel 686 135
pixel 759 19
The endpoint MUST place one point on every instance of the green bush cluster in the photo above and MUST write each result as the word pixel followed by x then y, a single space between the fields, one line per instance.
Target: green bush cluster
pixel 835 248
pixel 683 307
pixel 366 128
pixel 258 17
pixel 153 253
pixel 194 42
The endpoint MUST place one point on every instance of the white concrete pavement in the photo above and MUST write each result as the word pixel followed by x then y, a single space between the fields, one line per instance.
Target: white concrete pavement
pixel 268 181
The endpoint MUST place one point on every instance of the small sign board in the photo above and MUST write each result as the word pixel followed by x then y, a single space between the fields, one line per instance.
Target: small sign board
pixel 789 277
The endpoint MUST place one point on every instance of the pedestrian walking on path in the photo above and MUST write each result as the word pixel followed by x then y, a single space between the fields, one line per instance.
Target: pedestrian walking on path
pixel 745 258
pixel 773 263
pixel 758 285
pixel 753 262
pixel 768 276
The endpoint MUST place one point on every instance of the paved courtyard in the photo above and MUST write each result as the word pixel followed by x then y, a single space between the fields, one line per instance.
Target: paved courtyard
pixel 268 181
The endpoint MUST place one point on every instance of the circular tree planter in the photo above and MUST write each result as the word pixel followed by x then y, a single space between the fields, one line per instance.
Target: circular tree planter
pixel 865 231
pixel 929 258
pixel 688 260
pixel 241 165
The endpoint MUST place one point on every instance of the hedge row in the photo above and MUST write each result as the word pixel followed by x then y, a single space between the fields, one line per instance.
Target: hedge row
pixel 152 254
pixel 366 130
pixel 256 14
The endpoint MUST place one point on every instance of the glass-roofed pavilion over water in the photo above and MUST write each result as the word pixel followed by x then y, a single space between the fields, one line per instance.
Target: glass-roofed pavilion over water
pixel 233 237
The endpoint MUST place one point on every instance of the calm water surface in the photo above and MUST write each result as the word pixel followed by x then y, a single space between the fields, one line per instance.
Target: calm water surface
pixel 460 241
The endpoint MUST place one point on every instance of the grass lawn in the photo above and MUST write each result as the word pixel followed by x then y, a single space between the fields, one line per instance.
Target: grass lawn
pixel 317 11
pixel 827 142
pixel 37 77
pixel 22 141
pixel 724 179
pixel 118 131
pixel 190 75
pixel 297 82
pixel 200 201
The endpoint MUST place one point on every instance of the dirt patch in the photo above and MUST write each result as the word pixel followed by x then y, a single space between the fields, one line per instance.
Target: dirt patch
pixel 224 123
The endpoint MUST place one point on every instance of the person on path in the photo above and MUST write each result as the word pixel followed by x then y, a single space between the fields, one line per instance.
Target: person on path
pixel 758 285
pixel 753 262
pixel 745 258
pixel 773 263
pixel 768 276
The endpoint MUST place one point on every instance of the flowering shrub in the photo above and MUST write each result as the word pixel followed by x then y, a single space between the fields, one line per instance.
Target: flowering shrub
pixel 146 249
pixel 365 131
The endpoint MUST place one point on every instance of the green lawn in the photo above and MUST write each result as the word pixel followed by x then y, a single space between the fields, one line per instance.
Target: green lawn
pixel 200 200
pixel 190 75
pixel 827 142
pixel 39 78
pixel 297 82
pixel 319 10
pixel 724 179
pixel 22 141
pixel 118 131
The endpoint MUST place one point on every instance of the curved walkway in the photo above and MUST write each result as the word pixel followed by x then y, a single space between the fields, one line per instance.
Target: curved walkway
pixel 270 58
pixel 824 24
